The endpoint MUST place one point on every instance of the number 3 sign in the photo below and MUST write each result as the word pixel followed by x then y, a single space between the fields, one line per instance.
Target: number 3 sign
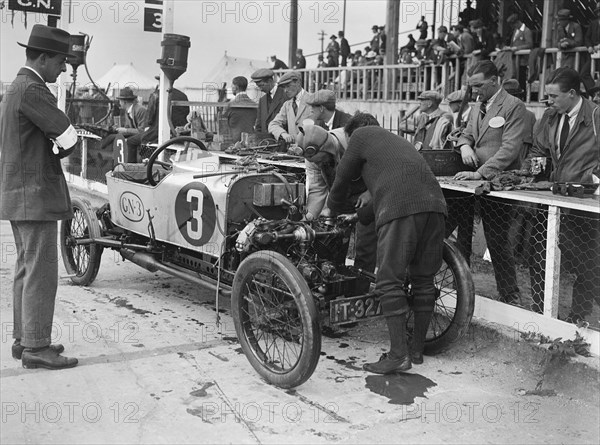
pixel 195 213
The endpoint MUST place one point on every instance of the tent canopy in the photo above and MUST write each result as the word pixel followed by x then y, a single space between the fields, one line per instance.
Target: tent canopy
pixel 229 67
pixel 126 75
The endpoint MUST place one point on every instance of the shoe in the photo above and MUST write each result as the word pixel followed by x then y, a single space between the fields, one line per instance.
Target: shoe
pixel 388 365
pixel 416 357
pixel 17 349
pixel 46 358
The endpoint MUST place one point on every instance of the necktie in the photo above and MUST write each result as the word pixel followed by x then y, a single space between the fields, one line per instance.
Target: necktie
pixel 564 134
pixel 294 106
pixel 483 109
pixel 269 99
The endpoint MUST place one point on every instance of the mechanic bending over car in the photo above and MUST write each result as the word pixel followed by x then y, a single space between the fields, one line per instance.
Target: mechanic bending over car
pixel 322 151
pixel 409 210
pixel 34 135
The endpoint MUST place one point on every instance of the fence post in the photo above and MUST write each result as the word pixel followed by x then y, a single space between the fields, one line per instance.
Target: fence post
pixel 552 274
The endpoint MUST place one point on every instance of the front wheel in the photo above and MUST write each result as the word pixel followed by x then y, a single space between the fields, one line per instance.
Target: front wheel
pixel 276 319
pixel 454 303
pixel 81 261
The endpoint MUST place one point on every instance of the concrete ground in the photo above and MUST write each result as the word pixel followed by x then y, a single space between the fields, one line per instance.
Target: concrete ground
pixel 156 368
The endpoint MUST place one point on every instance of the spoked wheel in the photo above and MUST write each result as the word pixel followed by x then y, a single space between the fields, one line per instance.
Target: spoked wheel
pixel 276 319
pixel 454 304
pixel 82 261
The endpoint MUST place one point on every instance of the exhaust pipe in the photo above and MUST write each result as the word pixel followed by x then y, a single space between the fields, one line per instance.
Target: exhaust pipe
pixel 151 264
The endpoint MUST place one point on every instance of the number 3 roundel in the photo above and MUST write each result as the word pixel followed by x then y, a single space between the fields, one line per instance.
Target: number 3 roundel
pixel 195 213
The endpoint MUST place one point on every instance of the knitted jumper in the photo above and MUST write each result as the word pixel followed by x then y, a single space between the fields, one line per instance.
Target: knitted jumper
pixel 399 179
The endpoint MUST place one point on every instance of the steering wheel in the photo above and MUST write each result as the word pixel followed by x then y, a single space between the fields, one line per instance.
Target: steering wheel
pixel 167 165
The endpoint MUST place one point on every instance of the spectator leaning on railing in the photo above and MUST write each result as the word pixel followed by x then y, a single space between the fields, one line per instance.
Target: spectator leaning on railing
pixel 569 133
pixel 492 143
pixel 568 35
pixel 592 41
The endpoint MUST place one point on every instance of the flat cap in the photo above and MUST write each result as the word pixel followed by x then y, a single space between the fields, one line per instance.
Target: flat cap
pixel 430 95
pixel 512 18
pixel 263 73
pixel 322 97
pixel 456 96
pixel 289 77
pixel 564 14
pixel 512 86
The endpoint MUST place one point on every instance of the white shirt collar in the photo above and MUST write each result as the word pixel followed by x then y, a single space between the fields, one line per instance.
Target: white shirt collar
pixel 575 111
pixel 329 123
pixel 491 99
pixel 129 109
pixel 273 90
pixel 38 74
pixel 300 94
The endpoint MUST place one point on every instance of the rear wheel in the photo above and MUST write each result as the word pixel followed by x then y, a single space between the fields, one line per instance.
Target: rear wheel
pixel 81 261
pixel 276 319
pixel 454 304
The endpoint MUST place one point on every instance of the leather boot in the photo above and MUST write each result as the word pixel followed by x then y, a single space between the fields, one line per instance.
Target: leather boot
pixel 18 348
pixel 46 358
pixel 422 320
pixel 398 359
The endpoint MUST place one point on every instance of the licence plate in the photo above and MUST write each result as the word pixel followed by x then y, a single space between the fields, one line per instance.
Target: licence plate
pixel 344 310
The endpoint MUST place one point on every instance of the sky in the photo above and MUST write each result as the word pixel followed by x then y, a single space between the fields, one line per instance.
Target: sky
pixel 250 29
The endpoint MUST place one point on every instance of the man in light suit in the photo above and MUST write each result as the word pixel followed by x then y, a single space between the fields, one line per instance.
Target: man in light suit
pixel 269 104
pixel 293 112
pixel 492 143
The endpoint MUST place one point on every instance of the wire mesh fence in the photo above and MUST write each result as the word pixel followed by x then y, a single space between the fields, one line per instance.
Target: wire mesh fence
pixel 506 245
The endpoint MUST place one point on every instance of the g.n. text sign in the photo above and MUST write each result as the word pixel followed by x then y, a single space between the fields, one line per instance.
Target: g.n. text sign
pixel 153 16
pixel 42 6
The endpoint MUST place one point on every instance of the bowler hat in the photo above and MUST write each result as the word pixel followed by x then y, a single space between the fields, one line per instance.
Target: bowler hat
pixel 263 73
pixel 47 39
pixel 564 14
pixel 127 94
pixel 375 27
pixel 289 77
pixel 512 86
pixel 322 97
pixel 333 36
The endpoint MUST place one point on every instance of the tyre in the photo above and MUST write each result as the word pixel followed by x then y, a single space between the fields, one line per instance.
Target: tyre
pixel 276 319
pixel 81 261
pixel 454 303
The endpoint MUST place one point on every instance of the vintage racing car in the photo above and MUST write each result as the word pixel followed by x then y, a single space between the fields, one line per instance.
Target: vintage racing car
pixel 238 229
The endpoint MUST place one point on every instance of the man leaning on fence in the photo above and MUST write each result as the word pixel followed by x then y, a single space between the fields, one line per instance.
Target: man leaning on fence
pixel 34 135
pixel 433 125
pixel 569 134
pixel 285 125
pixel 492 143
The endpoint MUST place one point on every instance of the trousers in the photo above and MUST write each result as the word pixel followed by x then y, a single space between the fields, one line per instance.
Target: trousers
pixel 35 281
pixel 412 247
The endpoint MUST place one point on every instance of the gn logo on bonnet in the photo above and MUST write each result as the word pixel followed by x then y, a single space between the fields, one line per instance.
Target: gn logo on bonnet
pixel 132 206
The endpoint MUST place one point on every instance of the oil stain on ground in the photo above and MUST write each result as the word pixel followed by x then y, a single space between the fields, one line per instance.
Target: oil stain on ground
pixel 401 389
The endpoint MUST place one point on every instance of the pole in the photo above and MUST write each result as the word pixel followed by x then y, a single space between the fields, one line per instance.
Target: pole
pixel 434 18
pixel 164 131
pixel 392 26
pixel 322 39
pixel 344 20
pixel 293 33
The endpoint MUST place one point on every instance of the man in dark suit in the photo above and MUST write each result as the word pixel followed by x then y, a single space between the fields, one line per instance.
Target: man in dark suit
pixel 241 111
pixel 34 135
pixel 568 35
pixel 269 104
pixel 323 111
pixel 344 48
pixel 278 64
